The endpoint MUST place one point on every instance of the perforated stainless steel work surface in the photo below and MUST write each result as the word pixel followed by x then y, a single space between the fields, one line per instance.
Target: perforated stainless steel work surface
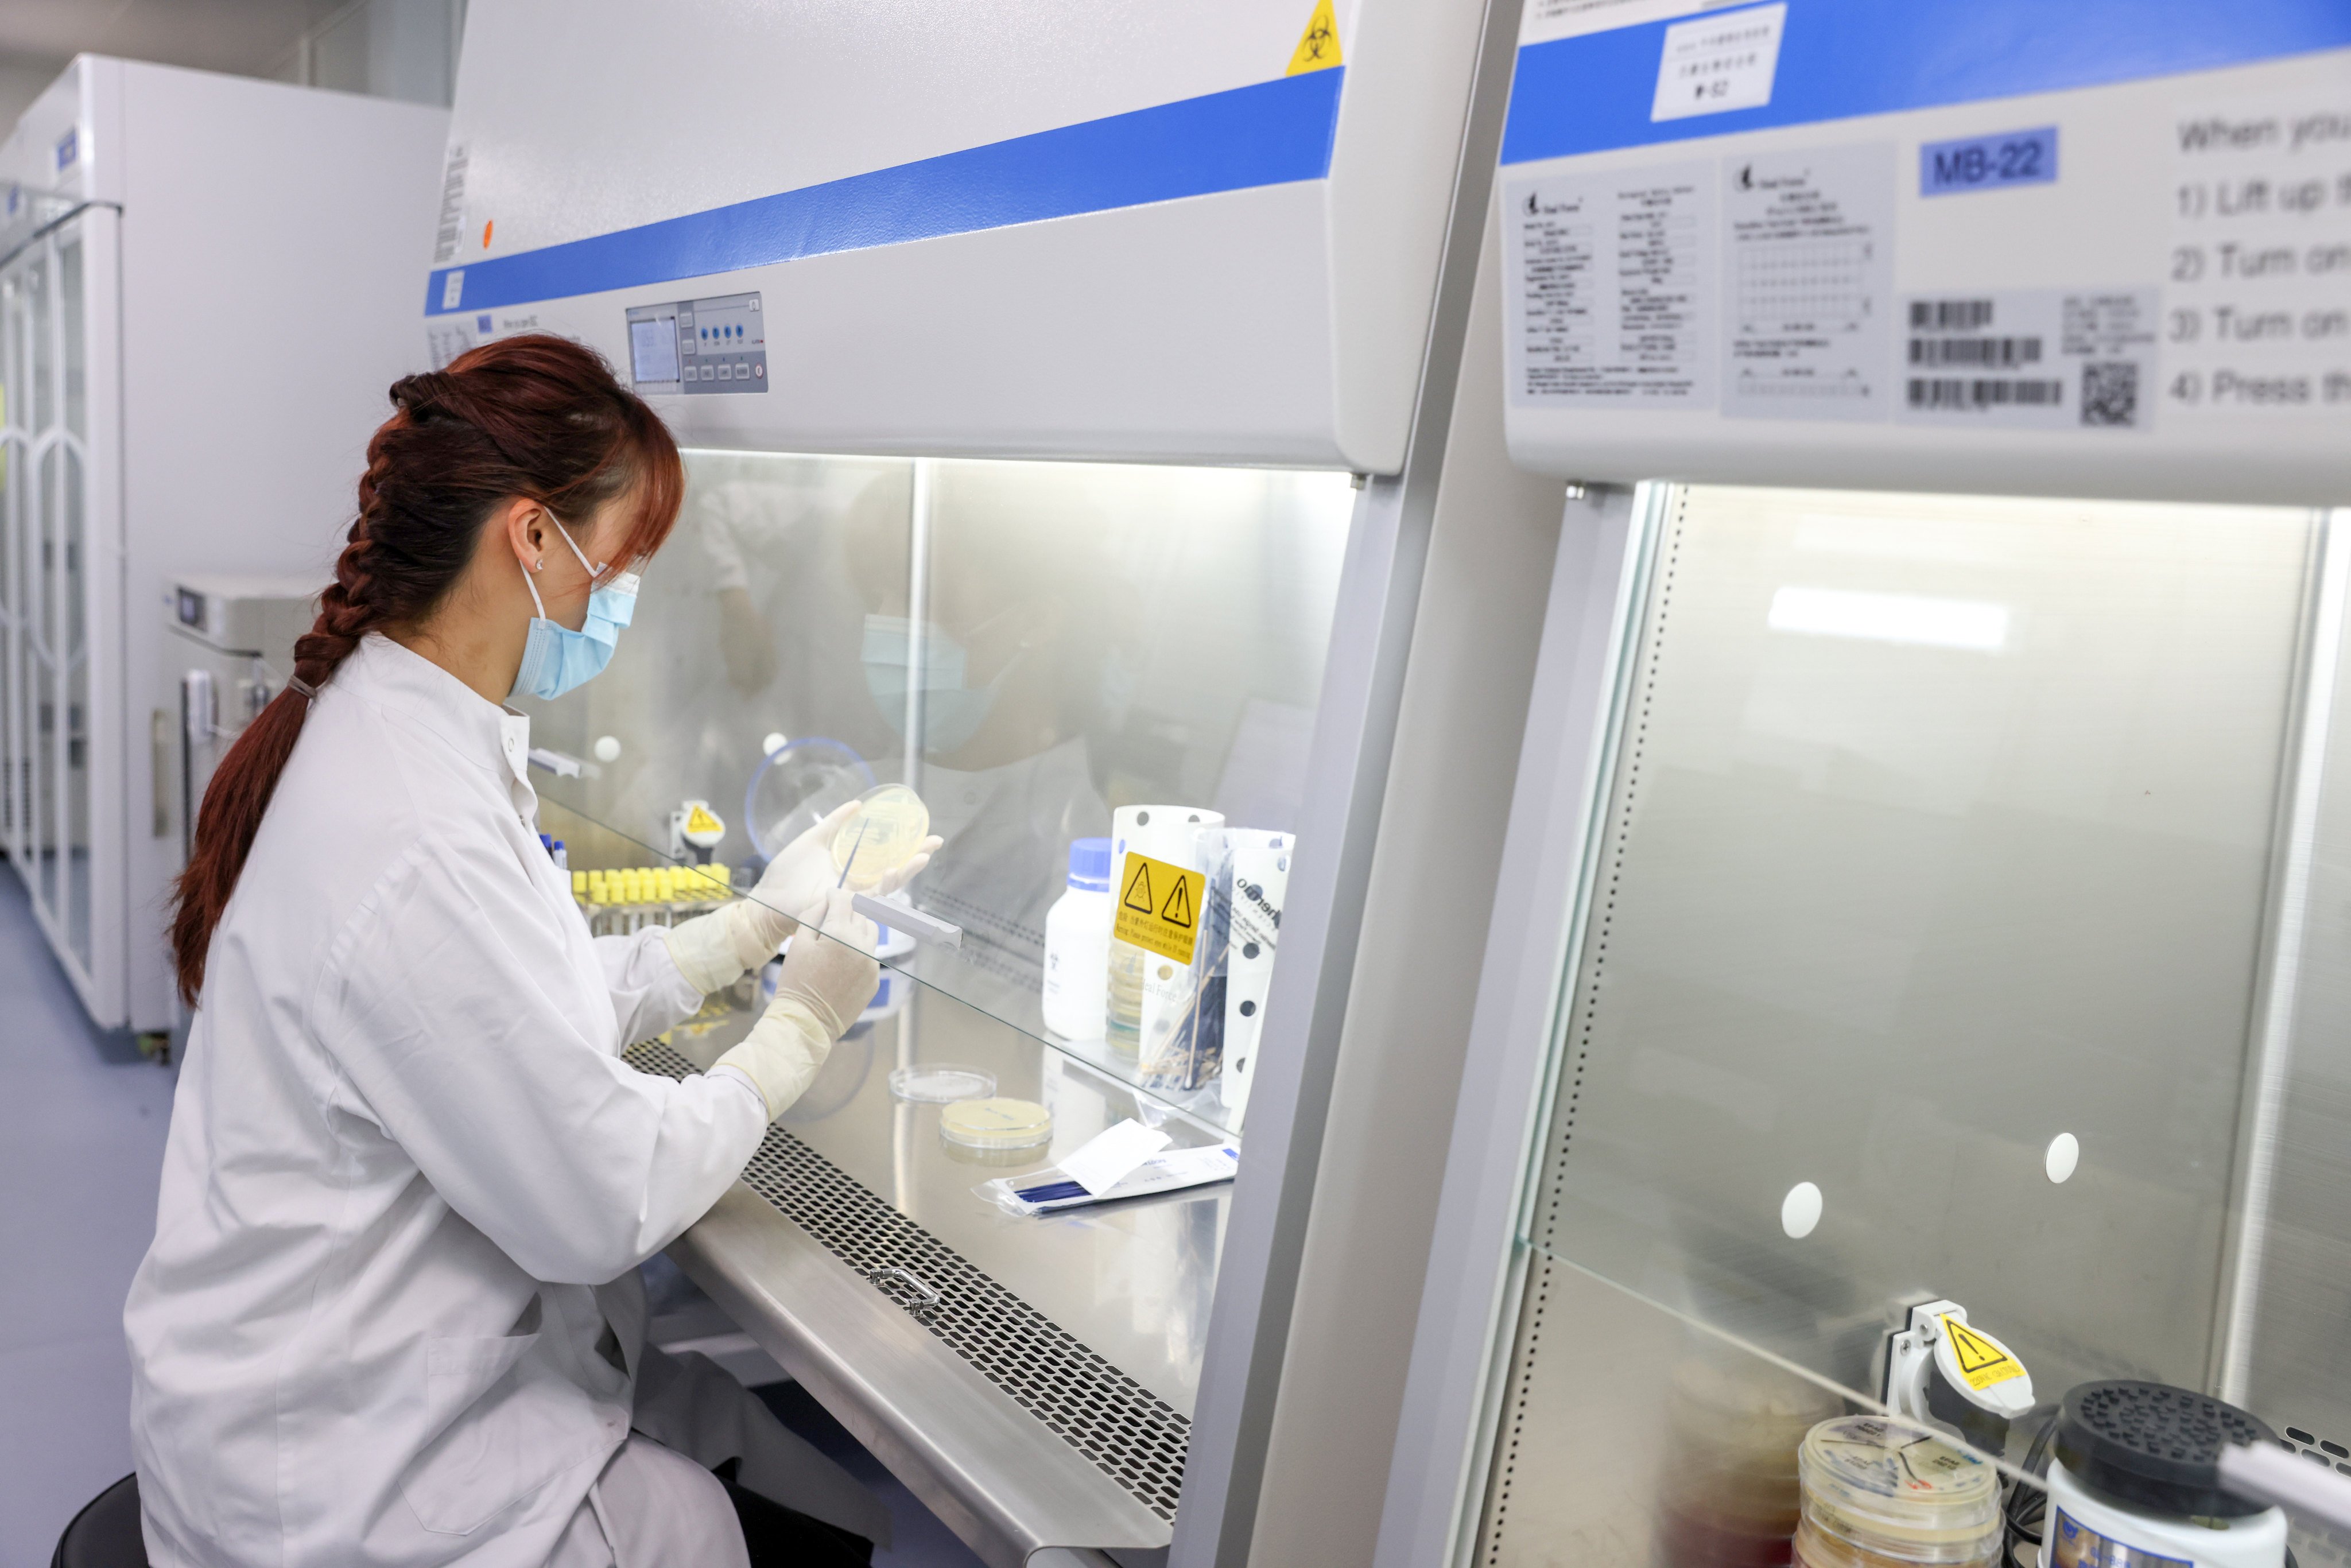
pixel 1132 1436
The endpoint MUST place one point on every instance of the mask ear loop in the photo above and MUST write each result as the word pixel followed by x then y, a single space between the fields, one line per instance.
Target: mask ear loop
pixel 537 602
pixel 576 552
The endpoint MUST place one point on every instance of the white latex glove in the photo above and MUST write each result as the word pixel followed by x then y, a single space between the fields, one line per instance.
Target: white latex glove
pixel 713 950
pixel 802 872
pixel 829 978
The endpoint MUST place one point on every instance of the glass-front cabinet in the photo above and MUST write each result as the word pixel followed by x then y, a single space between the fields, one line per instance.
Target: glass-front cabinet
pixel 53 584
pixel 1100 682
pixel 1950 1043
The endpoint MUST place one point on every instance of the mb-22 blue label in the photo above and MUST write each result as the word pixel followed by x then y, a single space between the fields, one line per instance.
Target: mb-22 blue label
pixel 1988 162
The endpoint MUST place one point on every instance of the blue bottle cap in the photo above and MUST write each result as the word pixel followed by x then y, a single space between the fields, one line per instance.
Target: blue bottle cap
pixel 1089 864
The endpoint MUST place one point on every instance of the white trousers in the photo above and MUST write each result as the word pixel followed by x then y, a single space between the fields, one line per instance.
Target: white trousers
pixel 656 1504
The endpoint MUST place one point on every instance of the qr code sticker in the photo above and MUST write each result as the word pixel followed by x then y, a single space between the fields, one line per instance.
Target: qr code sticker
pixel 2110 392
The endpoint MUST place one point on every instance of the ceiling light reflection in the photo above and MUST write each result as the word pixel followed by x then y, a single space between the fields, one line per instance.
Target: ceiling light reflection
pixel 1974 625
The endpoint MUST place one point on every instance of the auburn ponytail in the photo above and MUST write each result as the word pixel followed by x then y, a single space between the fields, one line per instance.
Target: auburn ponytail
pixel 533 416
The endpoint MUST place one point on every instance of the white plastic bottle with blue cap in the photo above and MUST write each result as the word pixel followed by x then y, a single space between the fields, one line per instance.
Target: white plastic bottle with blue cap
pixel 1076 946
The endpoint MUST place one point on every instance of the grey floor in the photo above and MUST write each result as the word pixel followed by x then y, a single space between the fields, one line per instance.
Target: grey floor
pixel 82 1120
pixel 82 1117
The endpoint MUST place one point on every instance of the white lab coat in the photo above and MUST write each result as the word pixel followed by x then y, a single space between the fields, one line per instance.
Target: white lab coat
pixel 390 1315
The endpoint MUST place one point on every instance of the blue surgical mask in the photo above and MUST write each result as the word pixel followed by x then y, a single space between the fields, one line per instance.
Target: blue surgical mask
pixel 952 710
pixel 555 659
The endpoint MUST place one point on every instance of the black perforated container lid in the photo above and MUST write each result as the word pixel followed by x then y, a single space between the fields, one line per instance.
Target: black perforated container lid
pixel 2155 1447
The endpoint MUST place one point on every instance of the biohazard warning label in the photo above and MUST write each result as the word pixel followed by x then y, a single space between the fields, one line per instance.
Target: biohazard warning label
pixel 1158 907
pixel 1318 47
pixel 1981 1362
pixel 701 820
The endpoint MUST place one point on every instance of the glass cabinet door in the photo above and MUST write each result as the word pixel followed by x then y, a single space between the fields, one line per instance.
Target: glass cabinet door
pixel 49 593
pixel 15 506
pixel 1965 924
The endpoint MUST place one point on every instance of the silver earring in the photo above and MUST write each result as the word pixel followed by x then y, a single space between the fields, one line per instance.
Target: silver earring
pixel 539 565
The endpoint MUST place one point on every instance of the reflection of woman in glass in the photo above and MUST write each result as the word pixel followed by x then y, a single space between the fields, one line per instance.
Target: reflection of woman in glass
pixel 1007 673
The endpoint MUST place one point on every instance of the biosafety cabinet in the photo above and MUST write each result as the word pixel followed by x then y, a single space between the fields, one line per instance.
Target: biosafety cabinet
pixel 1063 393
pixel 200 280
pixel 1912 1024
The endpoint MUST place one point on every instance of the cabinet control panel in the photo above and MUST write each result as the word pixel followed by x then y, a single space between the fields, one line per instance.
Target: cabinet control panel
pixel 699 346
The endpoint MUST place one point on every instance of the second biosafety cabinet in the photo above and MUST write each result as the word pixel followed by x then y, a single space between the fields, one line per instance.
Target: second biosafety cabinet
pixel 1904 1108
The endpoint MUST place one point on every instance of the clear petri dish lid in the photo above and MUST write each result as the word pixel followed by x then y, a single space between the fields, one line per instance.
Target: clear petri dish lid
pixel 942 1084
pixel 796 786
pixel 1899 1491
pixel 997 1124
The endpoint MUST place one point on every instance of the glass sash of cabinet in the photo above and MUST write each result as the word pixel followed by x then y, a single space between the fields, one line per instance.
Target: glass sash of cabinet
pixel 1036 649
pixel 1966 919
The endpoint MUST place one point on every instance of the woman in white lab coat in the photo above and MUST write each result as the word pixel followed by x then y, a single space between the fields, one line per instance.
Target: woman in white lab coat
pixel 390 1314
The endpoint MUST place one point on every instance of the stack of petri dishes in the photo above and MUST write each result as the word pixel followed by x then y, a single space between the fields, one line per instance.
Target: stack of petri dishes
pixel 1881 1492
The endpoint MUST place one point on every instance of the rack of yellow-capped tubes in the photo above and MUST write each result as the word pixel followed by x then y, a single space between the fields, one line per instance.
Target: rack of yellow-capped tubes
pixel 630 898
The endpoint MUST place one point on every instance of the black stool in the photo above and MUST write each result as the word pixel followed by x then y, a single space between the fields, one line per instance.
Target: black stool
pixel 106 1533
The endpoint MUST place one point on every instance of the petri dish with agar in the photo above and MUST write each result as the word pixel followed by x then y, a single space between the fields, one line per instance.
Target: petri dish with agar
pixel 942 1084
pixel 891 824
pixel 996 1130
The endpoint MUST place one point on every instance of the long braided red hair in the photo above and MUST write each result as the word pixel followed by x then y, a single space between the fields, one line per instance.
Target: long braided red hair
pixel 534 416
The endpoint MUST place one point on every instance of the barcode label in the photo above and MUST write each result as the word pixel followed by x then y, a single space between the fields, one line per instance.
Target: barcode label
pixel 1949 315
pixel 452 208
pixel 1983 392
pixel 2033 359
pixel 1994 353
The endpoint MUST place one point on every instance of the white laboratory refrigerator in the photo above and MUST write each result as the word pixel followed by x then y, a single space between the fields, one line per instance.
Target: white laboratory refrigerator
pixel 201 278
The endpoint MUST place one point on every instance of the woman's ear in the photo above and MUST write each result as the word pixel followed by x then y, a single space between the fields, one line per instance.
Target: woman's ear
pixel 526 523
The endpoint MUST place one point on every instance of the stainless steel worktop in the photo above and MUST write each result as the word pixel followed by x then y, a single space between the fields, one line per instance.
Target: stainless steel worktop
pixel 1045 1400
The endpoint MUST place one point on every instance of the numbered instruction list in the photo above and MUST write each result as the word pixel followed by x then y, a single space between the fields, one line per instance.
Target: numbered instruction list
pixel 2257 302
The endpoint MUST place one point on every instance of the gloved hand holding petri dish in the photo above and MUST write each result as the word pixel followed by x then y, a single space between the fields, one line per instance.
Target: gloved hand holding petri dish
pixel 891 826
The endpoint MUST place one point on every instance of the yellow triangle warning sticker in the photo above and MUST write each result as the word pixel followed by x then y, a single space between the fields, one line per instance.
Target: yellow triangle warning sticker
pixel 1138 892
pixel 1982 1362
pixel 701 820
pixel 1318 47
pixel 1166 928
